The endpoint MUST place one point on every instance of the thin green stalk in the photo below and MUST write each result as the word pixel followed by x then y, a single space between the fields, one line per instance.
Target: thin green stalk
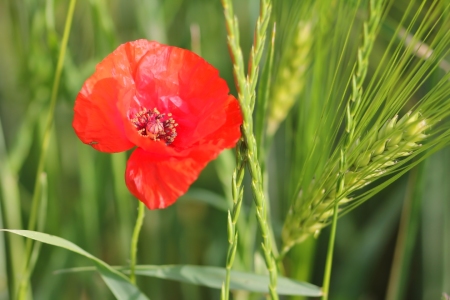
pixel 3 260
pixel 329 262
pixel 44 147
pixel 11 212
pixel 135 239
pixel 246 88
pixel 261 203
pixel 41 222
pixel 226 164
pixel 233 216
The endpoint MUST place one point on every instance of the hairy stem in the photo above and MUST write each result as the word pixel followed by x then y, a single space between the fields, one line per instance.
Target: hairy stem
pixel 135 239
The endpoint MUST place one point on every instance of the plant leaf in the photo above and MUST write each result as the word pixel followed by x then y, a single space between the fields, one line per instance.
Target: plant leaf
pixel 214 276
pixel 119 285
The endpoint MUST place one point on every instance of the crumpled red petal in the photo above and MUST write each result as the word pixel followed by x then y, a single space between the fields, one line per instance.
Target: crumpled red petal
pixel 228 134
pixel 122 63
pixel 159 183
pixel 179 82
pixel 97 121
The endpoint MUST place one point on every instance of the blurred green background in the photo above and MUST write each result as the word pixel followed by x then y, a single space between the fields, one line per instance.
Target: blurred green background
pixel 89 204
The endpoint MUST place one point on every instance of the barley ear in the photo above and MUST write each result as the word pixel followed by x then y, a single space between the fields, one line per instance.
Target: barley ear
pixel 320 209
pixel 369 160
pixel 290 79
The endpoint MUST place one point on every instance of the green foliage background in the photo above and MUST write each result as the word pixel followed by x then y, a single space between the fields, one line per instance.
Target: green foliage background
pixel 89 204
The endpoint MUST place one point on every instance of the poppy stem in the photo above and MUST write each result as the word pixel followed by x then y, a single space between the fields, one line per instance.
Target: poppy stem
pixel 134 241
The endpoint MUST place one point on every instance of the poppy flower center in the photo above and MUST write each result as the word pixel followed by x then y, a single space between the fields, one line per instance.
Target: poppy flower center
pixel 154 125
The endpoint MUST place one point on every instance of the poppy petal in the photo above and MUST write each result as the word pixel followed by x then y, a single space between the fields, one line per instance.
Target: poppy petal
pixel 179 82
pixel 229 133
pixel 159 183
pixel 97 121
pixel 122 63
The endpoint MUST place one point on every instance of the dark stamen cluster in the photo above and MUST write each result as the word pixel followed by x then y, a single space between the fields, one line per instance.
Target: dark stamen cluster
pixel 154 125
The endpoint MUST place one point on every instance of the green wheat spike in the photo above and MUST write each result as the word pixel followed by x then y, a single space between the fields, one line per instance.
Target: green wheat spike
pixel 290 82
pixel 369 160
pixel 352 109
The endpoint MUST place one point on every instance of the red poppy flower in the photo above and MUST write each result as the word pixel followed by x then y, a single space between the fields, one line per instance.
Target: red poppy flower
pixel 168 102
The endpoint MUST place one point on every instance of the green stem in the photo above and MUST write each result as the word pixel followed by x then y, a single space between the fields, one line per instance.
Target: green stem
pixel 261 205
pixel 246 89
pixel 135 239
pixel 233 216
pixel 35 204
pixel 329 262
pixel 340 188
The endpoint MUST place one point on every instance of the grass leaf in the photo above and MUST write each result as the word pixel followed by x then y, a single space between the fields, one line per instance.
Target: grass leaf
pixel 119 285
pixel 213 277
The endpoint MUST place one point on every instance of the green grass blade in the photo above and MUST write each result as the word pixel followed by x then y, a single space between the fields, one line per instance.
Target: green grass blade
pixel 435 226
pixel 118 283
pixel 4 292
pixel 11 208
pixel 406 239
pixel 120 288
pixel 42 216
pixel 213 277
